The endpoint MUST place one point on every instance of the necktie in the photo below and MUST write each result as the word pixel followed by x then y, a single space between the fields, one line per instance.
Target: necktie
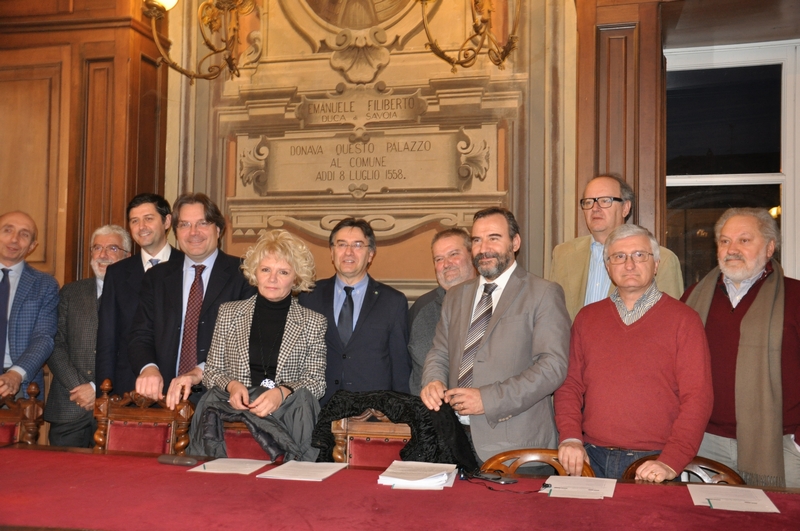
pixel 154 261
pixel 5 291
pixel 345 324
pixel 480 320
pixel 195 303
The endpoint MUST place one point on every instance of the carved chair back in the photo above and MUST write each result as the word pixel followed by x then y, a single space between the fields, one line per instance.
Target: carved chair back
pixel 134 423
pixel 368 440
pixel 21 419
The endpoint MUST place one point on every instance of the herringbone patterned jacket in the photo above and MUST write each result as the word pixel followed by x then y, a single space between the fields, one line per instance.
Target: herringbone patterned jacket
pixel 301 360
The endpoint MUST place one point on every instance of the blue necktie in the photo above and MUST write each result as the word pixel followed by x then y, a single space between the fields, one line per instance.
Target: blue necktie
pixel 5 292
pixel 345 324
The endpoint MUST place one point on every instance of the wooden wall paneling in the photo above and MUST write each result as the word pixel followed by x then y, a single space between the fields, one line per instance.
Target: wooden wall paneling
pixel 620 102
pixel 32 142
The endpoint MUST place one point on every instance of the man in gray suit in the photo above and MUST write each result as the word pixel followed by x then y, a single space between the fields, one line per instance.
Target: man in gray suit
pixel 71 401
pixel 501 346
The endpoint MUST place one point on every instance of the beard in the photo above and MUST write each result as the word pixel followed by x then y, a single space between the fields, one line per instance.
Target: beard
pixel 502 261
pixel 741 273
pixel 98 272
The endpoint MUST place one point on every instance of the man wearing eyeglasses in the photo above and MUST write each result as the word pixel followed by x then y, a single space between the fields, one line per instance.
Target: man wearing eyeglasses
pixel 639 376
pixel 367 336
pixel 149 220
pixel 578 264
pixel 179 301
pixel 72 393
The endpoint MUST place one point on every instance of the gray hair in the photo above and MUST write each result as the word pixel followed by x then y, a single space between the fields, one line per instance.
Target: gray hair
pixel 767 225
pixel 107 230
pixel 625 191
pixel 455 232
pixel 626 231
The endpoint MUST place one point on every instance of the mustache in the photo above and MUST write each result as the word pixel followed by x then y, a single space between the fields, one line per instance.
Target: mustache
pixel 733 256
pixel 484 256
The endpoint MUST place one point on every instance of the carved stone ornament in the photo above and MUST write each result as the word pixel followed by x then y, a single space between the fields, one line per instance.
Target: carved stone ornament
pixel 359 52
pixel 474 161
pixel 252 156
pixel 254 49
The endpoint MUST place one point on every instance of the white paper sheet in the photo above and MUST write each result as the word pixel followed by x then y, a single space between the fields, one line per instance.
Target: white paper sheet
pixel 579 487
pixel 230 465
pixel 303 471
pixel 413 474
pixel 732 498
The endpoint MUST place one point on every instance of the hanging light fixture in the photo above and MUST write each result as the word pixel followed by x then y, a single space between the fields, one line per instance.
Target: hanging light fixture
pixel 482 37
pixel 214 17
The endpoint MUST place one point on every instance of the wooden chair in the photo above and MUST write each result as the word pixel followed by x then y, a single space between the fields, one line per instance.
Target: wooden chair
pixel 20 420
pixel 707 470
pixel 362 442
pixel 508 462
pixel 129 423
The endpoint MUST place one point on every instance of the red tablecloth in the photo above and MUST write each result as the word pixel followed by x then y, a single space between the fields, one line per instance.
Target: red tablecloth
pixel 57 489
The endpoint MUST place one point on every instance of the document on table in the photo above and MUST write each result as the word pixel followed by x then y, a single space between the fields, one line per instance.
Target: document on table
pixel 418 476
pixel 229 465
pixel 732 498
pixel 303 471
pixel 579 487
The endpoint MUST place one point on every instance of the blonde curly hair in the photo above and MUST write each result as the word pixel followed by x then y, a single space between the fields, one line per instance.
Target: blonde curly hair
pixel 284 246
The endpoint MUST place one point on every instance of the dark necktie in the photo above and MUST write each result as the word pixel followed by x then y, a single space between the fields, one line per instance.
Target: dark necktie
pixel 345 324
pixel 480 320
pixel 5 291
pixel 195 303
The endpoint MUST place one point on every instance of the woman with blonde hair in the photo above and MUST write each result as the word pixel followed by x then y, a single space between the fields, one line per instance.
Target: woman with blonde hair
pixel 266 364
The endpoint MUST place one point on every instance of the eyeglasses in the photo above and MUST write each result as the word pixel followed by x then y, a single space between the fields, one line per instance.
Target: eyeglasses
pixel 110 249
pixel 200 225
pixel 637 256
pixel 356 246
pixel 605 202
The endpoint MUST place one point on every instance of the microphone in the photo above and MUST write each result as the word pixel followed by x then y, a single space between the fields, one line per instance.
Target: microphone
pixel 180 460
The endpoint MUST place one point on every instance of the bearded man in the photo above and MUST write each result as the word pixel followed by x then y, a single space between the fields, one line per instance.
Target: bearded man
pixel 751 314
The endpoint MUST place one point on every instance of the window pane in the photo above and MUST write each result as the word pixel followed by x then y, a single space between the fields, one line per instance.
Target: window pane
pixel 724 121
pixel 692 212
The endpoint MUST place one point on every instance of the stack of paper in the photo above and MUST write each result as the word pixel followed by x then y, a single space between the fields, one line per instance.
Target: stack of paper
pixel 418 476
pixel 303 471
pixel 732 498
pixel 579 487
pixel 231 466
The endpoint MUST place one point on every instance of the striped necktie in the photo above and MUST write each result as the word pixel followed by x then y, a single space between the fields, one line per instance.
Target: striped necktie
pixel 480 320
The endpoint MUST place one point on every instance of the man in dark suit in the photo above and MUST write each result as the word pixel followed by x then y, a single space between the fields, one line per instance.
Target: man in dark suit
pixel 72 393
pixel 367 335
pixel 501 345
pixel 149 220
pixel 28 307
pixel 178 305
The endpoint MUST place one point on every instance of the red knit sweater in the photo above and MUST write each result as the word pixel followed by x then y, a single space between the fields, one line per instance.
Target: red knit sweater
pixel 722 328
pixel 646 386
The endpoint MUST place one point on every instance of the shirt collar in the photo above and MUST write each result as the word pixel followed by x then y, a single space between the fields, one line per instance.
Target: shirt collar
pixel 642 305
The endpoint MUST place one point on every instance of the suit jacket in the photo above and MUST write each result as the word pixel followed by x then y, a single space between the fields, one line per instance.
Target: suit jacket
pixel 376 357
pixel 520 363
pixel 156 329
pixel 72 362
pixel 117 309
pixel 32 324
pixel 301 359
pixel 570 268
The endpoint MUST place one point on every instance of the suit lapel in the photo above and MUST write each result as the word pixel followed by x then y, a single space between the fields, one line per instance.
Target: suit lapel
pixel 135 274
pixel 242 324
pixel 23 288
pixel 220 274
pixel 370 298
pixel 291 333
pixel 510 293
pixel 327 298
pixel 173 290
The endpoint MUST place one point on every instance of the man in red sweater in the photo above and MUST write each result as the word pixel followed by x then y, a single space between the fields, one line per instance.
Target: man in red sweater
pixel 752 319
pixel 639 377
